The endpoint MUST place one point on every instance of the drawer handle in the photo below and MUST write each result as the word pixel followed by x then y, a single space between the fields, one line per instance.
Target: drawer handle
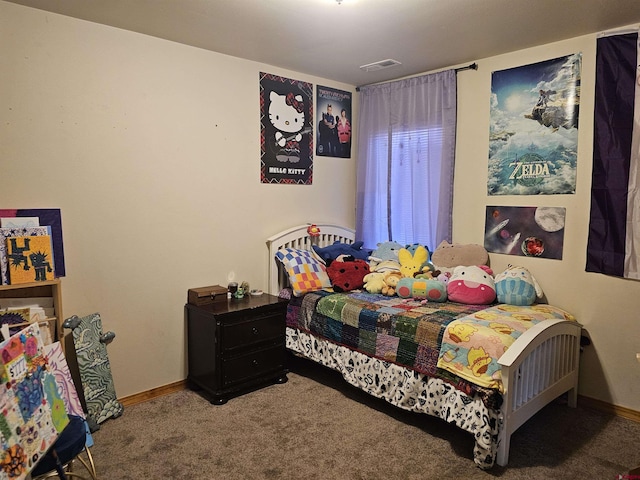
pixel 255 331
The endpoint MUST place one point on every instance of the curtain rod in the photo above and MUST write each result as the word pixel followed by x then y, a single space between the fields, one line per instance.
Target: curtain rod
pixel 471 66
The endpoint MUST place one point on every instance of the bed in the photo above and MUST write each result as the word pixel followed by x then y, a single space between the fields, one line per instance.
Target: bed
pixel 540 365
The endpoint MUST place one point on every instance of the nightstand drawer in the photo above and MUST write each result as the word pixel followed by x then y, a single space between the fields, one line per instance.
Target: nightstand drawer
pixel 254 364
pixel 255 330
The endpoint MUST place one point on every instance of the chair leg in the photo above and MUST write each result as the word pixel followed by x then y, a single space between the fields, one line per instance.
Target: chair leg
pixel 88 464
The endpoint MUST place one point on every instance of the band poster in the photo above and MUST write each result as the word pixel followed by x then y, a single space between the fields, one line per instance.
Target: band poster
pixel 334 124
pixel 286 132
pixel 533 138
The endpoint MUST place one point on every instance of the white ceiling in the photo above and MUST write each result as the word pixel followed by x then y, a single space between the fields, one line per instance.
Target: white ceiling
pixel 331 40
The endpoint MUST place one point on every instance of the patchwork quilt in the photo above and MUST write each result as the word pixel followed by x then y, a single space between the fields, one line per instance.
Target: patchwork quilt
pixel 405 332
pixel 472 345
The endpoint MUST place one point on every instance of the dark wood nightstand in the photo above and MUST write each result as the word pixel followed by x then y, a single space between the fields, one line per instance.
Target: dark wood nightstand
pixel 236 345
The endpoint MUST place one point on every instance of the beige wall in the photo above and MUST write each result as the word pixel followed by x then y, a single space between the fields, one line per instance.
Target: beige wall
pixel 151 150
pixel 607 307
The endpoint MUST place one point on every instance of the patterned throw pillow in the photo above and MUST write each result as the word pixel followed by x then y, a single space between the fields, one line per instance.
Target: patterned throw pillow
pixel 305 273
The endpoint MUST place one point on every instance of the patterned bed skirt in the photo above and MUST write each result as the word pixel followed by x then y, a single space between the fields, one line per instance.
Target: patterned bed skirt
pixel 406 389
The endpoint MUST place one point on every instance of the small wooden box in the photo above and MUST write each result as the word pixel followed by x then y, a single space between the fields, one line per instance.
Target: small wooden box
pixel 206 295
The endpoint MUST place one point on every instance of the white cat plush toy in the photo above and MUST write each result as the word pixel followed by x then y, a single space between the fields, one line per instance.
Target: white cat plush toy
pixel 286 113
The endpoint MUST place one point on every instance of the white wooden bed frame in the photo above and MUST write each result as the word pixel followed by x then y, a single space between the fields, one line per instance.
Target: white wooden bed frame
pixel 540 365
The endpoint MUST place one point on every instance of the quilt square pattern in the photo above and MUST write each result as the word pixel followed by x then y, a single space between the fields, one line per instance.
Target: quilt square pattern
pixel 388 328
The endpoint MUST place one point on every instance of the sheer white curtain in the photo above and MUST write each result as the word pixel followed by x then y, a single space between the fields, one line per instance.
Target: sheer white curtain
pixel 406 150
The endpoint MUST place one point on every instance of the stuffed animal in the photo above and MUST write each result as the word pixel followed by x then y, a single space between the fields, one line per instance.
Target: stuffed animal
pixel 385 266
pixel 391 280
pixel 374 282
pixel 443 277
pixel 410 265
pixel 427 265
pixel 347 276
pixel 384 251
pixel 448 256
pixel 422 289
pixel 472 285
pixel 331 252
pixel 517 286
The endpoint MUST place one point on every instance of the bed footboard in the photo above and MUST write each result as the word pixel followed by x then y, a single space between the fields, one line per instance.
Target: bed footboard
pixel 541 365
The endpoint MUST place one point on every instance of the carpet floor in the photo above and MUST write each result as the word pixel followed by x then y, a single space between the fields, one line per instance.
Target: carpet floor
pixel 316 426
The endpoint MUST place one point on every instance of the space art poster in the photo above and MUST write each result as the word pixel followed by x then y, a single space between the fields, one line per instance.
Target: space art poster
pixel 533 133
pixel 286 130
pixel 525 231
pixel 333 137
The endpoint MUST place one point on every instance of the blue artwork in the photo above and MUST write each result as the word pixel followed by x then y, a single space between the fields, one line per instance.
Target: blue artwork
pixel 534 128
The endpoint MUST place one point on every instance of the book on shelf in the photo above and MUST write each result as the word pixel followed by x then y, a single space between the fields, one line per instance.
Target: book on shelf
pixel 30 259
pixel 14 319
pixel 19 222
pixel 11 232
pixel 50 218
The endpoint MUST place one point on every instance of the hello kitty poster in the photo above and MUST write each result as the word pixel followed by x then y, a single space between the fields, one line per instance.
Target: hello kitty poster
pixel 286 133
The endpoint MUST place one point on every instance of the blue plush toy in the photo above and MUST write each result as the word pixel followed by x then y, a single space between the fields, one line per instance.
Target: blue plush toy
pixel 329 253
pixel 517 286
pixel 383 252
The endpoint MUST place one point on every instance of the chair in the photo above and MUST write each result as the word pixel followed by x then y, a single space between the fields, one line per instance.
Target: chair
pixel 68 447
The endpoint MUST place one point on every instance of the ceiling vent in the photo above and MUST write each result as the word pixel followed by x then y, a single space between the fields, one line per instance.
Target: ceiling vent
pixel 372 67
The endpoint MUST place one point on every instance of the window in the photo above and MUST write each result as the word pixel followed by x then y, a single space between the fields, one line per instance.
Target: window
pixel 413 163
pixel 406 150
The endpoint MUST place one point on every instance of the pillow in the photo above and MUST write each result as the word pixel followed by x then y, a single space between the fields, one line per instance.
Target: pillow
pixel 472 285
pixel 331 252
pixel 448 256
pixel 348 275
pixel 305 273
pixel 517 286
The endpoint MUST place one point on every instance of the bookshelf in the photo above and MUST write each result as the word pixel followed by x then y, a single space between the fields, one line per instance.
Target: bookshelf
pixel 48 288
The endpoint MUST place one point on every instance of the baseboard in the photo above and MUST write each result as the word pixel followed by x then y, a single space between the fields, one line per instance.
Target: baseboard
pixel 602 406
pixel 153 393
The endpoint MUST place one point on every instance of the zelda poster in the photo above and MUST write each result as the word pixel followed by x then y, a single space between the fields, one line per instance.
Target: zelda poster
pixel 533 136
pixel 286 132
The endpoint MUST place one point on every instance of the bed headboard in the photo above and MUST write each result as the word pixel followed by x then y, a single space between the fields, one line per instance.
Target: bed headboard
pixel 298 238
